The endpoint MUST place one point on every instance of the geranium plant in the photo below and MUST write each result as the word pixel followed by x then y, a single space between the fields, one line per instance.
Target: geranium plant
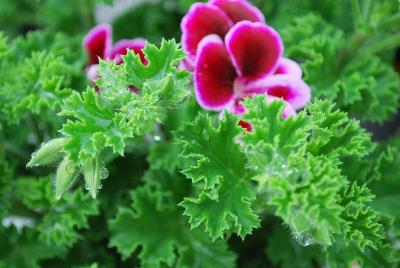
pixel 227 133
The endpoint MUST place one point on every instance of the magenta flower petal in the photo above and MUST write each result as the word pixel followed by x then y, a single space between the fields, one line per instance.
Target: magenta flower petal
pixel 288 66
pixel 98 42
pixel 239 10
pixel 202 20
pixel 255 49
pixel 214 74
pixel 292 89
pixel 121 48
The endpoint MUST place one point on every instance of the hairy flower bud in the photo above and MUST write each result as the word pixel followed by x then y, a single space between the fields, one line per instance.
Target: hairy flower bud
pixel 48 153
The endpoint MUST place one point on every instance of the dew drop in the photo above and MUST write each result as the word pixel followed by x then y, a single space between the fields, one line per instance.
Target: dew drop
pixel 156 138
pixel 303 240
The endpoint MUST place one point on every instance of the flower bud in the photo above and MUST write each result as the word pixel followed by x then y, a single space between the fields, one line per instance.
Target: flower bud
pixel 65 177
pixel 48 153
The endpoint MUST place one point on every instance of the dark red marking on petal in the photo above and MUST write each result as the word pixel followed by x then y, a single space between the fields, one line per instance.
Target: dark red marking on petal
pixel 202 20
pixel 122 46
pixel 214 74
pixel 283 92
pixel 255 49
pixel 98 42
pixel 239 10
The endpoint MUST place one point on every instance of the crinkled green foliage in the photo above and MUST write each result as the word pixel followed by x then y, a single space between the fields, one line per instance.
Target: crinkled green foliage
pixel 364 86
pixel 224 196
pixel 109 118
pixel 4 46
pixel 297 166
pixel 20 16
pixel 178 246
pixel 163 155
pixel 387 197
pixel 59 225
pixel 307 187
pixel 306 184
pixel 320 192
pixel 37 73
pixel 5 187
pixel 22 249
pixel 285 251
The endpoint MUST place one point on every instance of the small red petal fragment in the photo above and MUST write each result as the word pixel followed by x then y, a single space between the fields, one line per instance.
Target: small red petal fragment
pixel 245 125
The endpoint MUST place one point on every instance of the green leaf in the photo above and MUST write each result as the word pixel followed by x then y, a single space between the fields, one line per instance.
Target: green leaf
pixel 273 138
pixel 154 213
pixel 5 187
pixel 108 118
pixel 297 162
pixel 94 128
pixel 42 84
pixel 161 62
pixel 335 134
pixel 4 46
pixel 358 80
pixel 223 200
pixel 286 252
pixel 21 248
pixel 163 155
pixel 362 225
pixel 60 220
pixel 60 226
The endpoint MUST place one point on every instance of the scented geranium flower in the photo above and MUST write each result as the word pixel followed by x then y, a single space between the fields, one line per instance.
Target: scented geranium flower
pixel 215 17
pixel 98 45
pixel 248 62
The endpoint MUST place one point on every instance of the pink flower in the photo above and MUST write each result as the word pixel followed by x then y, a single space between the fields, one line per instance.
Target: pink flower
pixel 98 44
pixel 248 62
pixel 215 17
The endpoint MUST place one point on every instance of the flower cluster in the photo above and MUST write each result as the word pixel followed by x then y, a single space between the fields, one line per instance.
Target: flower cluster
pixel 234 54
pixel 98 45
